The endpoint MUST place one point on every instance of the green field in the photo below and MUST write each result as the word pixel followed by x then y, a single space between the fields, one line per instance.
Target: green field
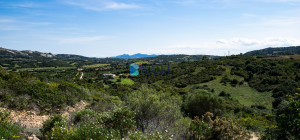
pixel 124 81
pixel 141 62
pixel 243 93
pixel 95 65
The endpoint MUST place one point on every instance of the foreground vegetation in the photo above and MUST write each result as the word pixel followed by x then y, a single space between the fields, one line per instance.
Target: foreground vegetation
pixel 222 98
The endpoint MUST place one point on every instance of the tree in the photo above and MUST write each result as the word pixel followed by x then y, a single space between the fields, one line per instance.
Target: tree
pixel 154 110
pixel 197 104
pixel 289 120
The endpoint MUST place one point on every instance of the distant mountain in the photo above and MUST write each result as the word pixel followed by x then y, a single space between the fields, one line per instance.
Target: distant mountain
pixel 13 59
pixel 276 51
pixel 138 55
pixel 8 53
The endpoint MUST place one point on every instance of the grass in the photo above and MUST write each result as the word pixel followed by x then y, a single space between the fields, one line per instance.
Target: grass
pixel 124 81
pixel 198 69
pixel 95 65
pixel 243 93
pixel 141 62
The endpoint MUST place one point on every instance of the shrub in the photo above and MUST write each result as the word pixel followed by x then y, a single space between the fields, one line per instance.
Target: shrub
pixel 155 111
pixel 93 131
pixel 198 129
pixel 227 130
pixel 197 104
pixel 225 79
pixel 219 128
pixel 8 130
pixel 234 82
pixel 56 119
pixel 224 94
pixel 85 115
pixel 122 119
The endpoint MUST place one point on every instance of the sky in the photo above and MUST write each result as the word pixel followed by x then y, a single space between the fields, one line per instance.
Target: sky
pixel 103 28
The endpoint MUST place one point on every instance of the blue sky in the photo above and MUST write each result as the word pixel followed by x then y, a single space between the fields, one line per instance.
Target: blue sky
pixel 101 28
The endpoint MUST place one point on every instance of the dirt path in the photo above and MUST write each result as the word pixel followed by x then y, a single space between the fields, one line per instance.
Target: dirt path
pixel 81 76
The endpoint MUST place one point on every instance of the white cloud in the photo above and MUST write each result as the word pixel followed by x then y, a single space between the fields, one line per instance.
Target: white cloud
pixel 102 5
pixel 70 40
pixel 115 5
pixel 222 46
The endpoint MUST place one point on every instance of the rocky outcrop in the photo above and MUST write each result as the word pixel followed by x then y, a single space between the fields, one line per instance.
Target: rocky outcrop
pixel 32 119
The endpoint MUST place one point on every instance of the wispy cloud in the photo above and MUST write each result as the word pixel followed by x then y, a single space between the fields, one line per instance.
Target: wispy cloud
pixel 19 4
pixel 84 39
pixel 25 5
pixel 102 5
pixel 222 46
pixel 266 42
pixel 6 20
pixel 40 23
pixel 9 28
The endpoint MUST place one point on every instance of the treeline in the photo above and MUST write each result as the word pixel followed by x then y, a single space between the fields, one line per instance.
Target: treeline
pixel 276 51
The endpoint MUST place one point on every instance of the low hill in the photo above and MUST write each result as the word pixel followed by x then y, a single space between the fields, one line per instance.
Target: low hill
pixel 276 51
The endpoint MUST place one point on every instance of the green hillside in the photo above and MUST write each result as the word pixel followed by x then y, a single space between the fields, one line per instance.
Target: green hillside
pixel 189 99
pixel 276 51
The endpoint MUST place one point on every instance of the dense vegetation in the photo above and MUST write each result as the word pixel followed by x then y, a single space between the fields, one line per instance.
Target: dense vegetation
pixel 220 98
pixel 276 51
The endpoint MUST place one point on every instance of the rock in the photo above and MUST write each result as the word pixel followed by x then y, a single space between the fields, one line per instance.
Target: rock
pixel 32 137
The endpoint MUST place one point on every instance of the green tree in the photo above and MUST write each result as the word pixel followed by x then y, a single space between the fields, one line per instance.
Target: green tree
pixel 198 103
pixel 155 111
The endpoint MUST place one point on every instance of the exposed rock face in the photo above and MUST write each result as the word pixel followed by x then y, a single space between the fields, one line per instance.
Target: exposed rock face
pixel 27 119
pixel 32 119
pixel 79 106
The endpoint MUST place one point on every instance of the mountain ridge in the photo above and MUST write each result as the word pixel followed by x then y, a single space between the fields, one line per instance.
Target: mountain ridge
pixel 137 55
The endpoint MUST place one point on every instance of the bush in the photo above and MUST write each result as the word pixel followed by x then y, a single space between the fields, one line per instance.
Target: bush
pixel 198 129
pixel 110 125
pixel 225 79
pixel 197 104
pixel 234 82
pixel 8 130
pixel 121 119
pixel 93 131
pixel 56 119
pixel 84 116
pixel 219 128
pixel 224 94
pixel 155 111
